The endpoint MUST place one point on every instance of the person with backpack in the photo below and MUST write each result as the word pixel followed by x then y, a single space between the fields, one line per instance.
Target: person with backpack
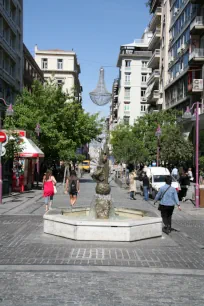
pixel 72 186
pixel 168 199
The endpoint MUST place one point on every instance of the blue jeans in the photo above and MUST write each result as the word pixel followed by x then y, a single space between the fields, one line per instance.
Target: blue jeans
pixel 146 193
pixel 132 194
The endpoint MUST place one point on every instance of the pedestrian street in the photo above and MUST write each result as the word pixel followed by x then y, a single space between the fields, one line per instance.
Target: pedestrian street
pixel 59 271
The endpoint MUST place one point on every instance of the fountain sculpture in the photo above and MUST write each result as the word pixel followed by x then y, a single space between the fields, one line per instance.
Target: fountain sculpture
pixel 102 222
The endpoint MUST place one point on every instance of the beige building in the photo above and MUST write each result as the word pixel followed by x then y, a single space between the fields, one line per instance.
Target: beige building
pixel 61 67
pixel 11 49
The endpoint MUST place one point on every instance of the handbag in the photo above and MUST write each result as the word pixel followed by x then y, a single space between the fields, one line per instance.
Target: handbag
pixel 55 190
pixel 159 207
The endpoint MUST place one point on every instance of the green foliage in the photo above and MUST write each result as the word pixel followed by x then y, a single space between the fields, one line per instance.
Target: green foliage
pixel 127 148
pixel 139 143
pixel 145 128
pixel 175 149
pixel 14 145
pixel 201 162
pixel 64 125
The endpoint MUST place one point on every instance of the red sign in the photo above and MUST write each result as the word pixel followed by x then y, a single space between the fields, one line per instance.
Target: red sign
pixel 2 136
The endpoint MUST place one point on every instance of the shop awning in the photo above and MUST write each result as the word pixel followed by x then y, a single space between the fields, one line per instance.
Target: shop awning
pixel 30 149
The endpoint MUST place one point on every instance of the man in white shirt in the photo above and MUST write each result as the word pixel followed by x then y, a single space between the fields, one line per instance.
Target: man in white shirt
pixel 174 173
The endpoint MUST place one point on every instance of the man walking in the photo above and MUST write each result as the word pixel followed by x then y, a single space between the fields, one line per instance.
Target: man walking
pixel 174 173
pixel 145 180
pixel 168 199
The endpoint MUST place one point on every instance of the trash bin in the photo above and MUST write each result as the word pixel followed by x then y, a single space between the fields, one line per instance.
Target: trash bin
pixel 202 197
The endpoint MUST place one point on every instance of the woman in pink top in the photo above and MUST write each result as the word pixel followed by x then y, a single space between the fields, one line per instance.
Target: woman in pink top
pixel 48 189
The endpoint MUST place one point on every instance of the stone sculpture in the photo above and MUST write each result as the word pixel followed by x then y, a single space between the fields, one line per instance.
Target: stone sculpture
pixel 103 198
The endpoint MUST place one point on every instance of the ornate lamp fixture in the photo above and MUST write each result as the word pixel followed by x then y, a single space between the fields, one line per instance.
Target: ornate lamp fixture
pixel 100 96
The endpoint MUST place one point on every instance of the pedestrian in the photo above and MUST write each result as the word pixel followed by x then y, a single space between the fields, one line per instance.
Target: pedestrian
pixel 190 174
pixel 168 199
pixel 145 180
pixel 174 173
pixel 184 183
pixel 132 188
pixel 72 186
pixel 49 184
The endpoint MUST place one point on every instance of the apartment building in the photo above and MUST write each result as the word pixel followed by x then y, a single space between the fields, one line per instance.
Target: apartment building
pixel 31 70
pixel 186 53
pixel 11 49
pixel 60 67
pixel 114 105
pixel 153 92
pixel 133 75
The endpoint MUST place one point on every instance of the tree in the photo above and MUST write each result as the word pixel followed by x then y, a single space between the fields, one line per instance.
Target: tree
pixel 145 127
pixel 175 149
pixel 127 148
pixel 65 126
pixel 173 146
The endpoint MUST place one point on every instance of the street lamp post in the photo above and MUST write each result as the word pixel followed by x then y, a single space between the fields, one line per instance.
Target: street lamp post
pixel 38 131
pixel 9 112
pixel 188 115
pixel 158 134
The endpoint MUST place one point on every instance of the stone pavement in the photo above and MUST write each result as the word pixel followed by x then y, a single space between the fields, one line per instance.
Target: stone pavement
pixel 40 269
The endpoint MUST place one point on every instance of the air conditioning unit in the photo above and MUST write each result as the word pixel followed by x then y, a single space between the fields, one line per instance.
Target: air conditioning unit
pixel 176 10
pixel 177 73
pixel 183 46
pixel 179 50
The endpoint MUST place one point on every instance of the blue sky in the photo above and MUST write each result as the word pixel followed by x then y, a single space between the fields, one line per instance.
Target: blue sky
pixel 95 29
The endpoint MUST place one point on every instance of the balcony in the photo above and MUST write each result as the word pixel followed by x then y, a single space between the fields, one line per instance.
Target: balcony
pixel 197 26
pixel 155 95
pixel 197 55
pixel 156 19
pixel 155 40
pixel 154 60
pixel 127 97
pixel 127 83
pixel 154 77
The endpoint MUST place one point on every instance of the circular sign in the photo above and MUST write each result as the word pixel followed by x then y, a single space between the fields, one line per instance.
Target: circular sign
pixel 3 136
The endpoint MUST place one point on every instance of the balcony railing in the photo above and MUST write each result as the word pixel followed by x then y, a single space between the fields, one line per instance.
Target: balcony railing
pixel 155 37
pixel 155 74
pixel 197 54
pixel 198 23
pixel 133 52
pixel 127 97
pixel 127 82
pixel 154 59
pixel 155 95
pixel 155 18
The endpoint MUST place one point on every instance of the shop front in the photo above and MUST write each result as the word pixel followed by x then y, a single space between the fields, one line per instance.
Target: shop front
pixel 25 165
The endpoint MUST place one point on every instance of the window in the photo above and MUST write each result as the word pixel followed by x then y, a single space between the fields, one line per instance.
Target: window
pixel 44 63
pixel 127 92
pixel 127 77
pixel 144 77
pixel 143 90
pixel 126 107
pixel 60 64
pixel 126 119
pixel 143 108
pixel 59 83
pixel 127 63
pixel 144 64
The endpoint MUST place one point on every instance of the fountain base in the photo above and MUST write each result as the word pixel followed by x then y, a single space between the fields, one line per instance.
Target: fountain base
pixel 128 225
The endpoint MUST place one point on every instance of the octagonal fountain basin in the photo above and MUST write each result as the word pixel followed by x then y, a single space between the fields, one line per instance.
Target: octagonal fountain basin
pixel 126 225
